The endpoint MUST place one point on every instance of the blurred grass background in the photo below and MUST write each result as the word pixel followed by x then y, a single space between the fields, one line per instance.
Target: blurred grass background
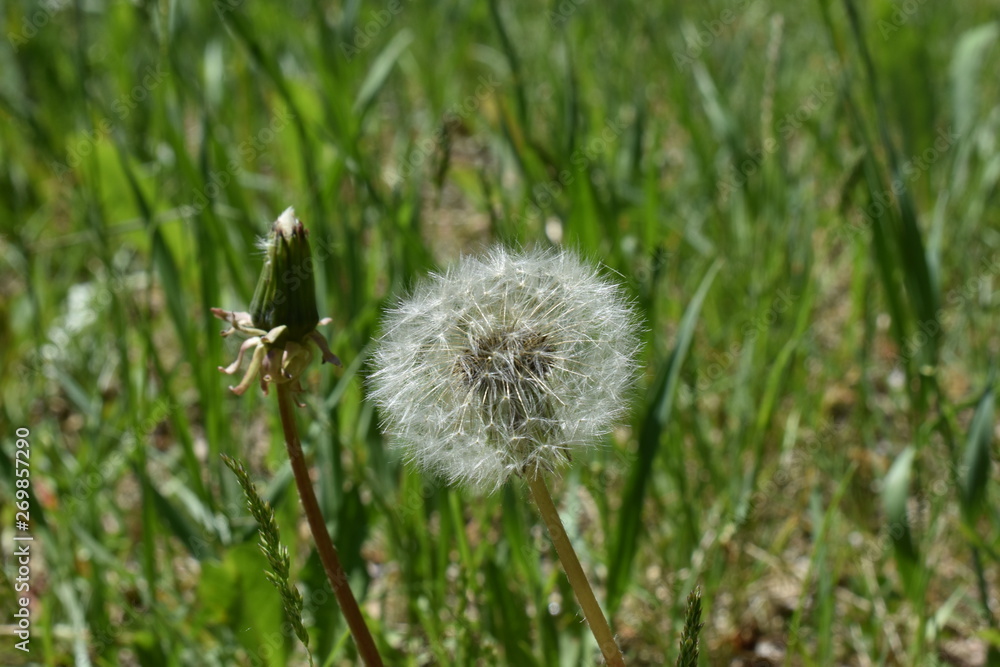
pixel 801 197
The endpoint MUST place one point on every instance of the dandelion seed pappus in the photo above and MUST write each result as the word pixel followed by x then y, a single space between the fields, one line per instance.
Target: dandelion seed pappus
pixel 504 365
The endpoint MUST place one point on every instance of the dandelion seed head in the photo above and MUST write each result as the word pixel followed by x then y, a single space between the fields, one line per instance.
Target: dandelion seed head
pixel 504 365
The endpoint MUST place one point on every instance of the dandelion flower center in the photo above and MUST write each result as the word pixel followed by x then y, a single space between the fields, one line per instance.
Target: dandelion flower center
pixel 507 371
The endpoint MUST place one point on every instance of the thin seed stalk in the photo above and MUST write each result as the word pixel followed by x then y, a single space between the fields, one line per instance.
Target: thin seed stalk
pixel 574 572
pixel 324 545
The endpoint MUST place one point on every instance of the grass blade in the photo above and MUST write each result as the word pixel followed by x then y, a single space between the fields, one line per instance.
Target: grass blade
pixel 976 461
pixel 379 72
pixel 654 424
pixel 895 497
pixel 968 61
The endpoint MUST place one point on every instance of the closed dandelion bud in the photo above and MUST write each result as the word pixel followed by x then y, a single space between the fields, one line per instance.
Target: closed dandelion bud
pixel 283 316
pixel 504 365
pixel 286 290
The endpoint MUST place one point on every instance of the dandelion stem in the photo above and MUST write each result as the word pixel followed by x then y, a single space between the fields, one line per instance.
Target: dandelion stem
pixel 324 545
pixel 574 572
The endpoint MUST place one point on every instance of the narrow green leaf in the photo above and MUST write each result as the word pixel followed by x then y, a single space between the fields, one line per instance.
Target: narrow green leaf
pixel 625 544
pixel 895 496
pixel 768 401
pixel 69 597
pixel 966 66
pixel 976 461
pixel 180 524
pixel 513 61
pixel 234 594
pixel 380 70
pixel 174 289
pixel 510 621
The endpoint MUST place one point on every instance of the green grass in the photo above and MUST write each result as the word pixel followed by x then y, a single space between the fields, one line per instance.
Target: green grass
pixel 802 199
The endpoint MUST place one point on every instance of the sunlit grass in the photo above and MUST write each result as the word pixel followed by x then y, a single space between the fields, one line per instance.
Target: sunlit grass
pixel 802 204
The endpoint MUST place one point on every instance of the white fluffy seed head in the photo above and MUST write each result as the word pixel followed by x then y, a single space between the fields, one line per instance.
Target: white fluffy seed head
pixel 505 364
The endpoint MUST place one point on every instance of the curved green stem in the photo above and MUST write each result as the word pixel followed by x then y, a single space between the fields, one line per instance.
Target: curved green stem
pixel 324 545
pixel 574 572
